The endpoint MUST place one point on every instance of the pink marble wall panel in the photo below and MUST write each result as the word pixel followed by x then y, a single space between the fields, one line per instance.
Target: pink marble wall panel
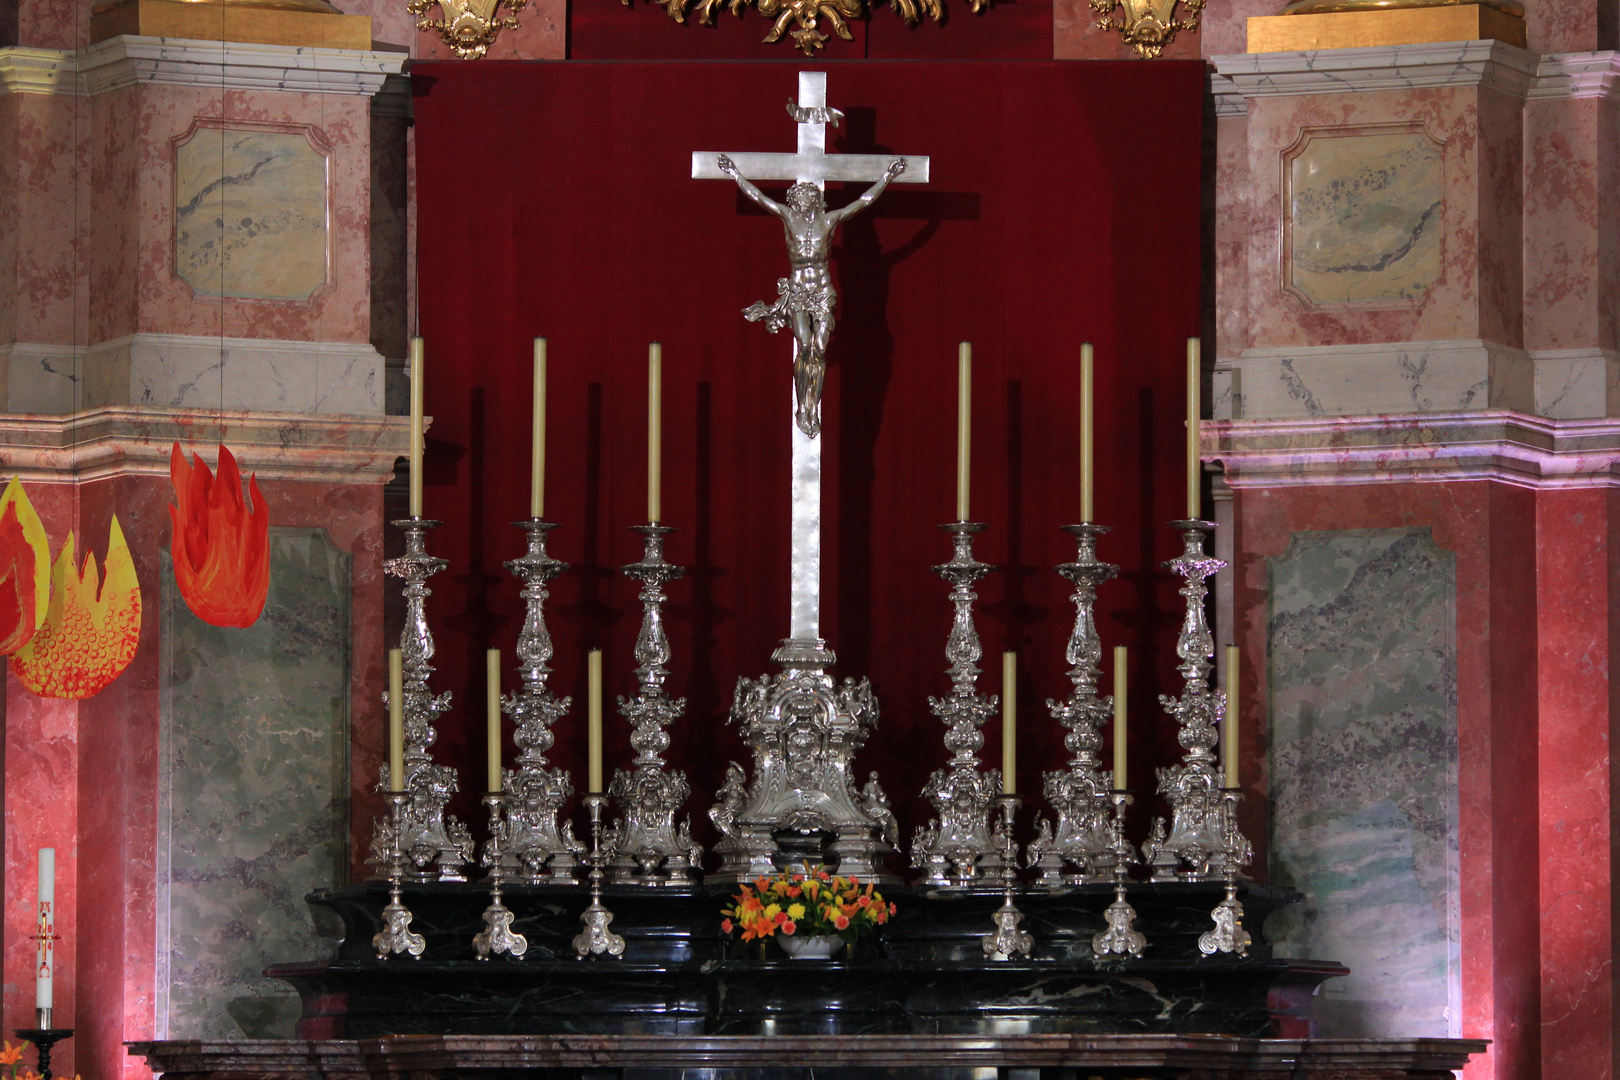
pixel 53 24
pixel 10 105
pixel 163 302
pixel 1232 226
pixel 1479 243
pixel 1608 221
pixel 1490 527
pixel 1560 236
pixel 49 268
pixel 391 23
pixel 1223 28
pixel 1577 559
pixel 1568 25
pixel 541 34
pixel 117 127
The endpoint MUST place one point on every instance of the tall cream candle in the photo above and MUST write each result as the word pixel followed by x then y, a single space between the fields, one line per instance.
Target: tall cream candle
pixel 1086 432
pixel 1229 738
pixel 1195 376
pixel 396 720
pixel 593 720
pixel 1009 720
pixel 45 971
pixel 492 684
pixel 964 426
pixel 1120 683
pixel 655 433
pixel 416 427
pixel 537 460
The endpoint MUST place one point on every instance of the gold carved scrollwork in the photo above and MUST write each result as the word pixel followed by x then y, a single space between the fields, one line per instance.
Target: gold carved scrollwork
pixel 467 26
pixel 805 15
pixel 1147 25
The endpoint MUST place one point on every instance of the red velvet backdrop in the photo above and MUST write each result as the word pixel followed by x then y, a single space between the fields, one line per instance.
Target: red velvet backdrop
pixel 555 199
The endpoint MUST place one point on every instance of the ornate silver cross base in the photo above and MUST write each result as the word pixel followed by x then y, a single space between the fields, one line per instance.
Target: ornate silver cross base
pixel 804 730
pixel 596 938
pixel 396 936
pixel 653 849
pixel 497 935
pixel 1006 940
pixel 537 848
pixel 1084 838
pixel 957 846
pixel 1121 938
pixel 1200 829
pixel 436 845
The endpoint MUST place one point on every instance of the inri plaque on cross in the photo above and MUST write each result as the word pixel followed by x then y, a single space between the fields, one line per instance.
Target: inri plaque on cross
pixel 806 299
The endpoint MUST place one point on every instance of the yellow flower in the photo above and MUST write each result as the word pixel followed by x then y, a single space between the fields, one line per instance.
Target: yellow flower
pixel 795 912
pixel 772 910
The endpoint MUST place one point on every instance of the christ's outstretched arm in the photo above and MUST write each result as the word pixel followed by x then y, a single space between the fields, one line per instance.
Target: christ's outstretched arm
pixel 839 216
pixel 729 167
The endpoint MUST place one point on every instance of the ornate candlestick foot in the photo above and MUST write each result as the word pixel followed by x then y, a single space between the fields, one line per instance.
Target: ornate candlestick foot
pixel 1121 938
pixel 596 938
pixel 1228 935
pixel 1006 939
pixel 956 847
pixel 44 1037
pixel 396 935
pixel 497 935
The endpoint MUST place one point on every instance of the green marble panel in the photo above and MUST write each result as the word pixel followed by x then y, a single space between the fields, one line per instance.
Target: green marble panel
pixel 1363 774
pixel 253 809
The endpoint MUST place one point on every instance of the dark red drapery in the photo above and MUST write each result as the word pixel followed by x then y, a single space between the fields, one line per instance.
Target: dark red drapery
pixel 555 199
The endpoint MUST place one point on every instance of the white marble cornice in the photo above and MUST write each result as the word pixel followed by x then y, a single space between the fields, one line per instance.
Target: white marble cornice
pixel 1394 67
pixel 126 440
pixel 1229 100
pixel 1576 75
pixel 1500 445
pixel 126 61
pixel 38 71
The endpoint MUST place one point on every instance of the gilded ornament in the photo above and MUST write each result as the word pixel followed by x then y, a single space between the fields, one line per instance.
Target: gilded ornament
pixel 806 15
pixel 1147 25
pixel 469 27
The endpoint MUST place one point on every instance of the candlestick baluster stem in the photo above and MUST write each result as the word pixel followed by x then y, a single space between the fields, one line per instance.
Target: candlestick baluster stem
pixel 596 938
pixel 497 935
pixel 1121 937
pixel 1228 935
pixel 396 935
pixel 1006 939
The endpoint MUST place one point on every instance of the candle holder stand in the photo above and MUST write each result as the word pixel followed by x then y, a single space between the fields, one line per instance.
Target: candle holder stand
pixel 1084 838
pixel 538 849
pixel 596 938
pixel 957 848
pixel 436 845
pixel 396 935
pixel 1200 829
pixel 653 849
pixel 44 1038
pixel 1121 938
pixel 1006 939
pixel 1228 935
pixel 497 935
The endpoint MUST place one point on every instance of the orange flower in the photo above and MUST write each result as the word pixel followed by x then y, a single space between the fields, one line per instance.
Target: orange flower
pixel 12 1054
pixel 221 548
pixel 25 569
pixel 91 629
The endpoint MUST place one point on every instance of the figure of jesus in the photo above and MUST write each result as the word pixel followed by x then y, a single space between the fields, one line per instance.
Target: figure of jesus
pixel 806 298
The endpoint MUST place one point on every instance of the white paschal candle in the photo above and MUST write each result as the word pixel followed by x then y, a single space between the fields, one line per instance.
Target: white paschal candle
pixel 46 972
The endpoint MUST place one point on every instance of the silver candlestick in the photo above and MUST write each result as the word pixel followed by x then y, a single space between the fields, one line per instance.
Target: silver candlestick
pixel 596 938
pixel 396 936
pixel 1228 935
pixel 1199 829
pixel 951 848
pixel 545 850
pixel 1084 837
pixel 497 935
pixel 654 850
pixel 436 845
pixel 1006 939
pixel 1121 937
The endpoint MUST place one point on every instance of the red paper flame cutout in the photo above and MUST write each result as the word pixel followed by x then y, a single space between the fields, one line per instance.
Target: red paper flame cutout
pixel 25 570
pixel 221 549
pixel 91 628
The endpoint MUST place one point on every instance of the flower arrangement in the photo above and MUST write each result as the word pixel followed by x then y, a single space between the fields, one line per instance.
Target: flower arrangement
pixel 810 904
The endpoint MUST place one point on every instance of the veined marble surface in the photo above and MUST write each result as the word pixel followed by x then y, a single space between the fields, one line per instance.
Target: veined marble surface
pixel 1363 767
pixel 253 799
pixel 1363 210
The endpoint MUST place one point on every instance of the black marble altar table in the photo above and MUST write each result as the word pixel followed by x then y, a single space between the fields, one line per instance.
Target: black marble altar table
pixel 823 1057
pixel 926 975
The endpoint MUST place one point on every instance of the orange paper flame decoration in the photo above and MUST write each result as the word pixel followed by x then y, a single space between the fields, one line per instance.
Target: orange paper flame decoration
pixel 25 569
pixel 91 628
pixel 221 549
